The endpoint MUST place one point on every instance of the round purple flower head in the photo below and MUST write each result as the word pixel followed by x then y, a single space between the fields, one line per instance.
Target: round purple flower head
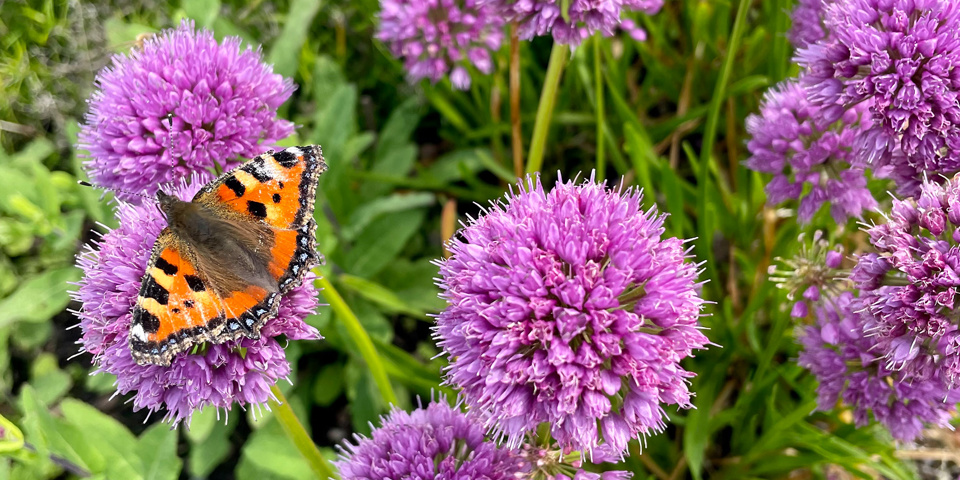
pixel 580 20
pixel 807 19
pixel 908 287
pixel 789 143
pixel 434 443
pixel 436 38
pixel 902 57
pixel 239 371
pixel 181 104
pixel 843 359
pixel 567 307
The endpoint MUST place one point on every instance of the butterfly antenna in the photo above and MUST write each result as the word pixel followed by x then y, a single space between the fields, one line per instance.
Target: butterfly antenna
pixel 116 190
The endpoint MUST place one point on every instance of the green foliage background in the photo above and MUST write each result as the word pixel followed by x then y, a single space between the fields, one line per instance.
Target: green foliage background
pixel 671 122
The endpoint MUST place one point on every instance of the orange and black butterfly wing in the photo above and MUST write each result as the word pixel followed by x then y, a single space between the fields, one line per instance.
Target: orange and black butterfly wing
pixel 175 308
pixel 276 190
pixel 179 307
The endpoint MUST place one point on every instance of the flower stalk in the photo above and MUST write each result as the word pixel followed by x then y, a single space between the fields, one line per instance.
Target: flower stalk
pixel 298 435
pixel 548 98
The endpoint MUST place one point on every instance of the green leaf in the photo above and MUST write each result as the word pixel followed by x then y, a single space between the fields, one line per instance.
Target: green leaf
pixel 270 454
pixel 363 395
pixel 212 450
pixel 49 381
pixel 378 294
pixel 365 214
pixel 38 298
pixel 50 436
pixel 157 450
pixel 328 384
pixel 203 11
pixel 285 52
pixel 117 445
pixel 381 242
pixel 121 35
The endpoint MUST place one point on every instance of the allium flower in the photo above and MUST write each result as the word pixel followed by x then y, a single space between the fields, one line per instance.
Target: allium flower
pixel 903 58
pixel 843 359
pixel 436 38
pixel 569 308
pixel 814 274
pixel 433 443
pixel 181 104
pixel 807 19
pixel 789 142
pixel 219 375
pixel 908 287
pixel 581 19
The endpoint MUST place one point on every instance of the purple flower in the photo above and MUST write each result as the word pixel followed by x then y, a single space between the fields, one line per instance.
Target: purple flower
pixel 433 443
pixel 901 58
pixel 437 38
pixel 843 359
pixel 580 20
pixel 807 19
pixel 568 308
pixel 239 371
pixel 908 287
pixel 181 104
pixel 805 155
pixel 814 273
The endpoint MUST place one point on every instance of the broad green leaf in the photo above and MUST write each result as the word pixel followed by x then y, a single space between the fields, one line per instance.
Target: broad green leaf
pixel 381 241
pixel 157 449
pixel 203 11
pixel 328 384
pixel 371 210
pixel 378 294
pixel 117 445
pixel 364 397
pixel 285 52
pixel 51 436
pixel 207 454
pixel 39 297
pixel 271 455
pixel 49 381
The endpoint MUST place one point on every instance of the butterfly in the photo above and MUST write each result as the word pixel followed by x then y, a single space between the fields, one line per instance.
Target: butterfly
pixel 219 268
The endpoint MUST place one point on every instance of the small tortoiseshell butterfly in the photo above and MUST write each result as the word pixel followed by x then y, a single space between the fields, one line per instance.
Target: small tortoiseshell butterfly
pixel 218 269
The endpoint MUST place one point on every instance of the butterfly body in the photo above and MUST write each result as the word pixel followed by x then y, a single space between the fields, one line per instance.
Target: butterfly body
pixel 219 268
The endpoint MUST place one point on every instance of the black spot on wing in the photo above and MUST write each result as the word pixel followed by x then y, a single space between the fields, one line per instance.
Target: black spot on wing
pixel 167 267
pixel 257 209
pixel 255 168
pixel 233 184
pixel 280 184
pixel 194 283
pixel 152 289
pixel 285 159
pixel 188 303
pixel 276 198
pixel 147 320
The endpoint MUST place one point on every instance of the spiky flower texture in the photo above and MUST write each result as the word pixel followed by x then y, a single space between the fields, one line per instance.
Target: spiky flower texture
pixel 240 371
pixel 439 38
pixel 182 104
pixel 571 21
pixel 433 443
pixel 567 307
pixel 901 57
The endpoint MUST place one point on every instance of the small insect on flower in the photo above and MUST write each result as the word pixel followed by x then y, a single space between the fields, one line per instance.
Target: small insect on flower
pixel 221 276
pixel 568 308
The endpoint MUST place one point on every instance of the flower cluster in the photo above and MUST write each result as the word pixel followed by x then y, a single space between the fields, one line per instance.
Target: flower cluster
pixel 805 154
pixel 239 371
pixel 808 22
pixel 182 104
pixel 437 442
pixel 901 57
pixel 843 359
pixel 567 307
pixel 437 38
pixel 908 287
pixel 569 22
pixel 814 273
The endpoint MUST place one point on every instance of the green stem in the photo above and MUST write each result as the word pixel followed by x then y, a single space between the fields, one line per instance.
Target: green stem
pixel 548 98
pixel 296 433
pixel 598 93
pixel 704 224
pixel 359 335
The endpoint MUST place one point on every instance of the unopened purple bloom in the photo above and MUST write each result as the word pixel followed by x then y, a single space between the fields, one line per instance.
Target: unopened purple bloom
pixel 844 360
pixel 902 57
pixel 807 19
pixel 433 443
pixel 789 142
pixel 908 286
pixel 180 105
pixel 814 274
pixel 581 20
pixel 439 38
pixel 216 377
pixel 567 307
